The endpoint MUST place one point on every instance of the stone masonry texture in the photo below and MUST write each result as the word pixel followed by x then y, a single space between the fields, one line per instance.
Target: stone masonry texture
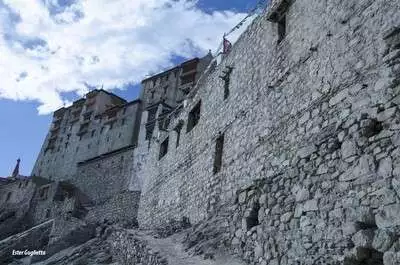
pixel 285 152
pixel 311 140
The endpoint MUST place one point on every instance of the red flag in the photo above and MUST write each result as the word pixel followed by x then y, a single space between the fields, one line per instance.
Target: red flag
pixel 227 46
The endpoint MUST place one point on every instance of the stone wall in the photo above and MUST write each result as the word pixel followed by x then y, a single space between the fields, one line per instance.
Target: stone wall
pixel 121 207
pixel 105 176
pixel 50 206
pixel 315 119
pixel 15 199
pixel 127 248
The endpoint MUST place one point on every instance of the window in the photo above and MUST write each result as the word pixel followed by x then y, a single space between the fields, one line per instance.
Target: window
pixel 281 28
pixel 165 89
pixel 8 197
pixel 48 213
pixel 194 117
pixel 93 132
pixel 152 94
pixel 227 78
pixel 119 135
pixel 226 89
pixel 66 145
pixel 178 134
pixel 123 122
pixel 188 79
pixel 88 146
pixel 20 184
pixel 219 146
pixel 111 126
pixel 164 148
pixel 102 129
pixel 44 193
pixel 77 149
pixel 124 111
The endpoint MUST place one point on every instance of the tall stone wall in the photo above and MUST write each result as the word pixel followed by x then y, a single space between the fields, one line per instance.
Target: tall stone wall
pixel 105 176
pixel 315 117
pixel 15 199
pixel 122 207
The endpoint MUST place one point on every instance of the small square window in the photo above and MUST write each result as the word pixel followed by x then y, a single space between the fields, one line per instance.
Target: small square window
pixel 164 148
pixel 219 145
pixel 8 196
pixel 281 29
pixel 194 117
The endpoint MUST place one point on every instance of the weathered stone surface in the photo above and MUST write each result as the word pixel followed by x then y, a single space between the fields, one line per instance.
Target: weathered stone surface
pixel 306 151
pixel 388 217
pixel 383 240
pixel 302 195
pixel 363 238
pixel 385 167
pixel 310 205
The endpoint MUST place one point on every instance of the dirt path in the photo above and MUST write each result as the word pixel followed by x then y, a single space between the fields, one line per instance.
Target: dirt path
pixel 172 249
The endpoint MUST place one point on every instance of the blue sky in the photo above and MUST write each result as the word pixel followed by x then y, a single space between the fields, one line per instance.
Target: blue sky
pixel 49 51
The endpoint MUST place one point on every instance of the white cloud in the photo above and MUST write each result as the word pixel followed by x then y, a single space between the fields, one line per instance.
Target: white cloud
pixel 98 42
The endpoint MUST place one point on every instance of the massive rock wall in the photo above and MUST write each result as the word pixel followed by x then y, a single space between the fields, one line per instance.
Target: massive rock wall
pixel 122 207
pixel 15 199
pixel 103 177
pixel 315 117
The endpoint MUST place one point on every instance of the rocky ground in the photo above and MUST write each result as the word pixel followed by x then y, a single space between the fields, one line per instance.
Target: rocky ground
pixel 117 246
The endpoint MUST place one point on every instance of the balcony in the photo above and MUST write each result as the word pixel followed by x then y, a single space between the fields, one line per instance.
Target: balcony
pixel 189 78
pixel 189 72
pixel 83 129
pixel 87 115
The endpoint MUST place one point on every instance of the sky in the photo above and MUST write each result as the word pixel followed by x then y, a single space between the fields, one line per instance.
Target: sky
pixel 53 51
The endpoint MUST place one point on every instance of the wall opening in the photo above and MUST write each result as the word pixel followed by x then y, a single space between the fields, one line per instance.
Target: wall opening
pixel 281 28
pixel 43 193
pixel 164 148
pixel 226 88
pixel 8 197
pixel 252 219
pixel 219 146
pixel 48 213
pixel 194 117
pixel 373 127
pixel 178 136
